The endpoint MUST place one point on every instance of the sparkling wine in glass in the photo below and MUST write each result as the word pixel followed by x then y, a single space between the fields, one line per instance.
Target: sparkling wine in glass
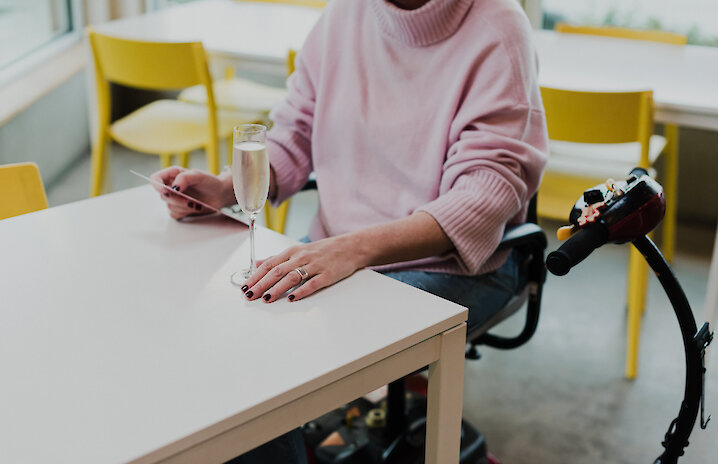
pixel 250 177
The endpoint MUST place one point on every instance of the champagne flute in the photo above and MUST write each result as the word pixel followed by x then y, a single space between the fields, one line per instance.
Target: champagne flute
pixel 250 178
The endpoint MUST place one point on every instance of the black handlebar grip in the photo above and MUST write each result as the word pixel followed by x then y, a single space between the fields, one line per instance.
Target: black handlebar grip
pixel 638 172
pixel 576 249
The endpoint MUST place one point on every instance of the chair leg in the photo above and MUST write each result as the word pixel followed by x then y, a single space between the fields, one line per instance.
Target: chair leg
pixel 276 218
pixel 670 184
pixel 165 160
pixel 229 147
pixel 281 216
pixel 269 216
pixel 99 164
pixel 643 283
pixel 183 159
pixel 637 287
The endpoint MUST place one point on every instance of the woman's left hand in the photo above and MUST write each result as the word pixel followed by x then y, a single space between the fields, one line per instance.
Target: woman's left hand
pixel 325 261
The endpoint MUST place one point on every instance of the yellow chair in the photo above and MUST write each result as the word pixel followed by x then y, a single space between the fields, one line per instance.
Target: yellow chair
pixel 650 35
pixel 21 190
pixel 251 99
pixel 670 172
pixel 163 127
pixel 595 136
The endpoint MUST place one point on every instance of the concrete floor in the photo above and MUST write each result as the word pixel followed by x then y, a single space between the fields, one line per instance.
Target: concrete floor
pixel 561 398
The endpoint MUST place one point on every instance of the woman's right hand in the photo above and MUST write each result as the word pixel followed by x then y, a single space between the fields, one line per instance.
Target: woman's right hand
pixel 213 190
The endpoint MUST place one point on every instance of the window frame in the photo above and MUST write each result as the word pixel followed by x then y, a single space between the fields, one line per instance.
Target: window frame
pixel 50 49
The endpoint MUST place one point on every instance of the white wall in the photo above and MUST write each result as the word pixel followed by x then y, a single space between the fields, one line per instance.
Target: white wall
pixel 53 132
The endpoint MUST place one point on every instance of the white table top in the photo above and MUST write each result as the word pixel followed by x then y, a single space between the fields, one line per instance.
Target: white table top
pixel 120 332
pixel 682 77
pixel 260 32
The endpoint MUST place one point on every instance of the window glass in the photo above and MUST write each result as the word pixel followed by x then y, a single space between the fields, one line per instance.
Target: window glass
pixel 697 19
pixel 26 25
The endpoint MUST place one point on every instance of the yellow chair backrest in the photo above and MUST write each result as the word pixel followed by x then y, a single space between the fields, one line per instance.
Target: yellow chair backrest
pixel 310 3
pixel 21 190
pixel 600 117
pixel 624 33
pixel 149 65
pixel 291 56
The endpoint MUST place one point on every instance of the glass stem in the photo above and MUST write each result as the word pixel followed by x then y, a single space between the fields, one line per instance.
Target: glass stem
pixel 252 262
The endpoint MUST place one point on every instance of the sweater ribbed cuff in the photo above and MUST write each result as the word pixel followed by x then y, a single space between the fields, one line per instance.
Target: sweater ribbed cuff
pixel 473 214
pixel 290 158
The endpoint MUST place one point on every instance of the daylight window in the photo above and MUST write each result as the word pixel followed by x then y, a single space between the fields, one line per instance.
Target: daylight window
pixel 26 25
pixel 694 18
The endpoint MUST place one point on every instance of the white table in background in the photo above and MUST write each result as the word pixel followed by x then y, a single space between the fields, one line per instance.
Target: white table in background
pixel 258 35
pixel 255 35
pixel 683 78
pixel 122 340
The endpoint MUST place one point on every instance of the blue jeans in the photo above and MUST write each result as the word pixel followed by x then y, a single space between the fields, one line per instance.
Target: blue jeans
pixel 484 295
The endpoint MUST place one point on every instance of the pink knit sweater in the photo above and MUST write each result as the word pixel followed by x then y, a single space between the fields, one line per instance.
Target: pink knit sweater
pixel 435 109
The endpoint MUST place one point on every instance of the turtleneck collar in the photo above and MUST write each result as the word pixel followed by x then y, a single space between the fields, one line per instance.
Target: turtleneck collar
pixel 428 24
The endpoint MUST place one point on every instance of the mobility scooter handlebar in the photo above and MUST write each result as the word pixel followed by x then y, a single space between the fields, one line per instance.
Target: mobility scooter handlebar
pixel 623 211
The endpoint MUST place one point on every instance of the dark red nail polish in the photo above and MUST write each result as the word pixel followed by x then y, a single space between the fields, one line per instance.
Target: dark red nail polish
pixel 244 288
pixel 267 296
pixel 165 194
pixel 249 294
pixel 190 204
pixel 291 297
pixel 198 207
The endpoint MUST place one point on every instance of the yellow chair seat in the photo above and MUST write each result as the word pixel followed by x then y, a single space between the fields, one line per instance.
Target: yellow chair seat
pixel 600 160
pixel 170 126
pixel 237 94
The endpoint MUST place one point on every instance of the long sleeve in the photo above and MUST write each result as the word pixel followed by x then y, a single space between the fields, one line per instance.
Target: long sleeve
pixel 289 142
pixel 495 164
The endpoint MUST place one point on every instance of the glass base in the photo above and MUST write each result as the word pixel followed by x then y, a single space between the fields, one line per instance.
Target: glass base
pixel 240 277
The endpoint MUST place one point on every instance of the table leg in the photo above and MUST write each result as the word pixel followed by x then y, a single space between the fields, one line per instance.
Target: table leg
pixel 711 304
pixel 443 414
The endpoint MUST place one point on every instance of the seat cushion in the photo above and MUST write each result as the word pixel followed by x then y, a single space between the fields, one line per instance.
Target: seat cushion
pixel 600 160
pixel 237 95
pixel 171 126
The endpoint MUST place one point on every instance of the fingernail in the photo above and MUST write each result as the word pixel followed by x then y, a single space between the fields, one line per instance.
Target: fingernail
pixel 249 294
pixel 190 204
pixel 174 187
pixel 290 297
pixel 198 207
pixel 267 296
pixel 245 288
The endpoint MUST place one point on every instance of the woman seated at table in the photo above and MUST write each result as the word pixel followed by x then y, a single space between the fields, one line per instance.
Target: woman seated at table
pixel 423 123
